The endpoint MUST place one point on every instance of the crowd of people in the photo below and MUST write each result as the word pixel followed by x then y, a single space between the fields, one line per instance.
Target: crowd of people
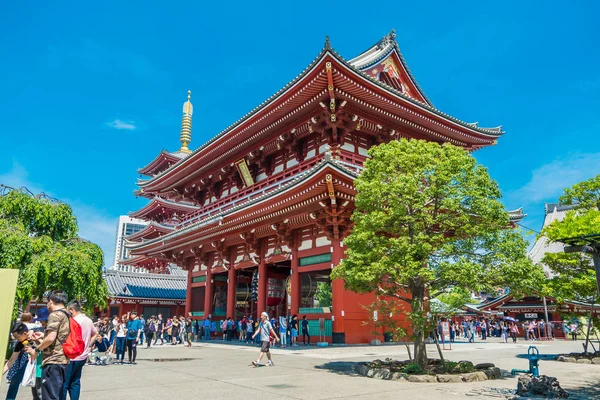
pixel 51 350
pixel 481 329
pixel 46 342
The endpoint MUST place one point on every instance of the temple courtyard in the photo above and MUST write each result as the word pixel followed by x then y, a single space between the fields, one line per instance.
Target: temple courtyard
pixel 217 371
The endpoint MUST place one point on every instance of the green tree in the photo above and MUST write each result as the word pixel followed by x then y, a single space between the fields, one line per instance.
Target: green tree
pixel 574 275
pixel 427 218
pixel 456 297
pixel 38 237
pixel 323 294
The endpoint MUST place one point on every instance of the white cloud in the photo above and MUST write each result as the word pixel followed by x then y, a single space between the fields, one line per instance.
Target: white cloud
pixel 548 181
pixel 95 225
pixel 119 124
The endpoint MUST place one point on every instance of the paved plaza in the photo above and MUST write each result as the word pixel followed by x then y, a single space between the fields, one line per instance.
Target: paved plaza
pixel 218 371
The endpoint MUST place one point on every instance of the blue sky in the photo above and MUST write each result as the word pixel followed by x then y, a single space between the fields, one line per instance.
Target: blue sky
pixel 90 94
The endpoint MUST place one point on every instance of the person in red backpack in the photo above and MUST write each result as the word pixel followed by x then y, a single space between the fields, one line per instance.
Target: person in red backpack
pixel 72 384
pixel 55 362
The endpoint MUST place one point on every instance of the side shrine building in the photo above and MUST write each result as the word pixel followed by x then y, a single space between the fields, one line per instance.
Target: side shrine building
pixel 258 214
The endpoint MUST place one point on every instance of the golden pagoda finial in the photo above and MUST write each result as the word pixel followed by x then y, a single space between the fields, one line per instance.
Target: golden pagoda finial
pixel 185 137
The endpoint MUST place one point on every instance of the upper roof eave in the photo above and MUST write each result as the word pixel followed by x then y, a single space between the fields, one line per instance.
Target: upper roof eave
pixel 159 159
pixel 327 50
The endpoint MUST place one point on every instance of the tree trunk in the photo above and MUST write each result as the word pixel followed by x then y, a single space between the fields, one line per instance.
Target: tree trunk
pixel 408 350
pixel 417 305
pixel 439 349
pixel 587 334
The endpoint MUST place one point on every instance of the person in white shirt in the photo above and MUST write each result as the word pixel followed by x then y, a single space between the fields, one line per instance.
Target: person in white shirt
pixel 72 383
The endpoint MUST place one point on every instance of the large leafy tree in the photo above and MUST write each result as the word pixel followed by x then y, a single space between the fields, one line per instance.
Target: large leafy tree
pixel 427 219
pixel 574 275
pixel 38 236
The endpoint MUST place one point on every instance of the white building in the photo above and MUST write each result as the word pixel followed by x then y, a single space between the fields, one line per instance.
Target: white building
pixel 126 227
pixel 553 212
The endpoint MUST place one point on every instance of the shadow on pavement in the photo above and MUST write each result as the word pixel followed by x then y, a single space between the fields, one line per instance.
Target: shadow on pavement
pixel 339 367
pixel 590 391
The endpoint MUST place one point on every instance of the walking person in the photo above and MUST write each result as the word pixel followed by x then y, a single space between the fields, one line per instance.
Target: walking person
pixel 249 330
pixel 504 328
pixel 134 330
pixel 283 328
pixel 514 330
pixel 175 327
pixel 305 333
pixel 143 322
pixel 189 333
pixel 265 329
pixel 150 330
pixel 114 327
pixel 207 328
pixel 72 384
pixel 159 330
pixel 120 338
pixel 294 329
pixel 483 326
pixel 54 364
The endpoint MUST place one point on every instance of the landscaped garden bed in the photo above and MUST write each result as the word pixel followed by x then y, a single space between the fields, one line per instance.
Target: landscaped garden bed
pixel 580 358
pixel 455 372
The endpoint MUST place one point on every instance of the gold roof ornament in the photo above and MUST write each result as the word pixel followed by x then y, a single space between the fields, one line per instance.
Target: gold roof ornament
pixel 185 137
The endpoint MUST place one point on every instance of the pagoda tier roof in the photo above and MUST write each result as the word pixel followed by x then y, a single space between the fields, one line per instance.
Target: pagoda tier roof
pixel 151 231
pixel 163 161
pixel 517 215
pixel 301 97
pixel 158 205
pixel 145 285
pixel 306 187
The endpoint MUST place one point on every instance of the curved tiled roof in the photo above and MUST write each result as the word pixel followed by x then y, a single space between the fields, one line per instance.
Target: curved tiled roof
pixel 145 285
pixel 328 50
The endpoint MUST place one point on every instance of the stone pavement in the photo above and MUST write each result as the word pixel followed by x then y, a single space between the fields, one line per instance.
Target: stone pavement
pixel 221 371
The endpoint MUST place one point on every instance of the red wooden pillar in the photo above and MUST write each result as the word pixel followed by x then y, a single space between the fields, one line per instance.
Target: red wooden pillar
pixel 231 289
pixel 337 297
pixel 262 287
pixel 188 293
pixel 296 282
pixel 208 292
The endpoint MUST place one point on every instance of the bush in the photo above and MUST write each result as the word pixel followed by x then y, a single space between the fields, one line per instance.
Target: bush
pixel 413 369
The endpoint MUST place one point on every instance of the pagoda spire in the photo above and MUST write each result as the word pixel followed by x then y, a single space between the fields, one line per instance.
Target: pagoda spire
pixel 185 137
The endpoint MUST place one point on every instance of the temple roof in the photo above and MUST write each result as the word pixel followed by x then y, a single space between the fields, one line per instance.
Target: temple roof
pixel 158 204
pixel 145 285
pixel 516 215
pixel 150 231
pixel 554 212
pixel 210 219
pixel 379 52
pixel 479 136
pixel 163 161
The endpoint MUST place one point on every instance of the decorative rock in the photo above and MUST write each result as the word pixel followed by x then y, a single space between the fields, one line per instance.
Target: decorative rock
pixel 362 369
pixel 383 373
pixel 371 372
pixel 474 376
pixel 584 361
pixel 449 378
pixel 422 378
pixel 398 376
pixel 493 373
pixel 543 385
pixel 596 360
pixel 484 366
pixel 566 359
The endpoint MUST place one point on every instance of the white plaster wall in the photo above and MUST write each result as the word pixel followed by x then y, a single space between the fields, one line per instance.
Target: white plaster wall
pixel 292 162
pixel 306 244
pixel 311 154
pixel 261 177
pixel 348 147
pixel 362 151
pixel 322 241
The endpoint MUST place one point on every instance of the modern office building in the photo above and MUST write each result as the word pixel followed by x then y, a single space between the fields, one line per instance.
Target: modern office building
pixel 127 226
